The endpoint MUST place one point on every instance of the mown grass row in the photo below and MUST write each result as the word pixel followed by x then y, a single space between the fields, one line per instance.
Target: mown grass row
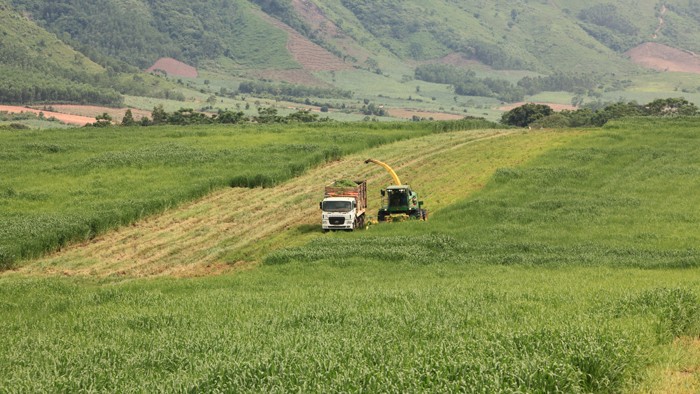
pixel 63 186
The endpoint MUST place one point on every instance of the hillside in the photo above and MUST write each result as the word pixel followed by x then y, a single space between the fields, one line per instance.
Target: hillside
pixel 544 37
pixel 482 54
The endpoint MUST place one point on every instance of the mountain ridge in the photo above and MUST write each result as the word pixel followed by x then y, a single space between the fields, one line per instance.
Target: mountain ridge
pixel 311 42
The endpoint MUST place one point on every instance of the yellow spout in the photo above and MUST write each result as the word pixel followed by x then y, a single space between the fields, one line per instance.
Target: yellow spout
pixel 397 181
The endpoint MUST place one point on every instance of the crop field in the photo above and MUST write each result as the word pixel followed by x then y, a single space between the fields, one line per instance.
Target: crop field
pixel 553 261
pixel 70 185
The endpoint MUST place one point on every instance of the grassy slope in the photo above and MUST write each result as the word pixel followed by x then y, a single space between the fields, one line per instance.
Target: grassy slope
pixel 235 226
pixel 461 301
pixel 36 43
pixel 105 178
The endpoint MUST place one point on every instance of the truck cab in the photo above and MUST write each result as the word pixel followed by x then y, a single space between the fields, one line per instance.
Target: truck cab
pixel 339 213
pixel 344 205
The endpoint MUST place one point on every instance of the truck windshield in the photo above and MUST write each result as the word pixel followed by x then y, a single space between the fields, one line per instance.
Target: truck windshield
pixel 337 206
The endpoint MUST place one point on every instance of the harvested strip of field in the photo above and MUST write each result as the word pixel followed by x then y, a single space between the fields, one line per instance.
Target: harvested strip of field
pixel 228 228
pixel 65 118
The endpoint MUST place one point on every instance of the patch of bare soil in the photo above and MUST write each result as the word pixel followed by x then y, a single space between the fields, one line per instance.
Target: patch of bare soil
pixel 65 118
pixel 409 114
pixel 554 106
pixel 310 56
pixel 92 111
pixel 664 58
pixel 174 68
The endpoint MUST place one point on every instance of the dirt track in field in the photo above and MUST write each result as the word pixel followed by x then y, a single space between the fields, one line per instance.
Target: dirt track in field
pixel 91 111
pixel 196 238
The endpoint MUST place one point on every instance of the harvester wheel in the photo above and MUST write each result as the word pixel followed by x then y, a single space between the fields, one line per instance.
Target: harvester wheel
pixel 381 216
pixel 423 214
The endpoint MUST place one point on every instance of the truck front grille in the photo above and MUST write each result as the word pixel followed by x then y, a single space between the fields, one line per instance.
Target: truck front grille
pixel 336 221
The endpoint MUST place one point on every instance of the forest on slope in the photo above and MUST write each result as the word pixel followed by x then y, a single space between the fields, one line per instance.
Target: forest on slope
pixel 106 38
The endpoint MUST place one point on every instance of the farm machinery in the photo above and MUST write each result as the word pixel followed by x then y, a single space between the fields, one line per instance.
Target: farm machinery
pixel 344 205
pixel 399 202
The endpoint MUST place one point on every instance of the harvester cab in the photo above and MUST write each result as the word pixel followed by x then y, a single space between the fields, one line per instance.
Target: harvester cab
pixel 398 200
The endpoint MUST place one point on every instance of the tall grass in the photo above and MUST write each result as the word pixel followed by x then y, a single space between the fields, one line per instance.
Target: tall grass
pixel 64 186
pixel 618 199
pixel 346 325
pixel 621 196
pixel 559 276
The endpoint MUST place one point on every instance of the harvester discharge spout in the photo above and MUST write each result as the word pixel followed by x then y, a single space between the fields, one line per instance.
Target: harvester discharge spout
pixel 397 181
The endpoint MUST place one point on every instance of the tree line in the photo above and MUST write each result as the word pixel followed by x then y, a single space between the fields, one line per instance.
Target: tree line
pixel 23 87
pixel 292 90
pixel 188 116
pixel 466 83
pixel 540 115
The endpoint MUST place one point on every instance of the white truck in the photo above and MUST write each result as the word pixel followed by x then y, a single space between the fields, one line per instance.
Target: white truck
pixel 344 205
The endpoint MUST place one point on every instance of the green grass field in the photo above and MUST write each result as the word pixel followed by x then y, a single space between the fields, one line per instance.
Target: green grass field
pixel 62 186
pixel 573 269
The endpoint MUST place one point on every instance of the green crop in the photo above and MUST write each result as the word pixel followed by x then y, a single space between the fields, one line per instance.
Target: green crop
pixel 574 271
pixel 63 186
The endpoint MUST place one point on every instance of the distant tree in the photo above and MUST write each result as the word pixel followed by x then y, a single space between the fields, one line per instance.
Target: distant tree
pixel 128 119
pixel 159 115
pixel 302 116
pixel 187 116
pixel 230 117
pixel 524 115
pixel 553 121
pixel 103 120
pixel 672 107
pixel 267 115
